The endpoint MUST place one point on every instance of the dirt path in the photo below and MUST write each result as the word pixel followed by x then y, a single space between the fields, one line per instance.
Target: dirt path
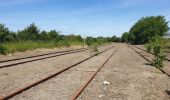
pixel 130 77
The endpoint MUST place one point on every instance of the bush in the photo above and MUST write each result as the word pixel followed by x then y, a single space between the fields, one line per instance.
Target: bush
pixel 3 50
pixel 146 28
pixel 63 43
pixel 156 46
pixel 149 47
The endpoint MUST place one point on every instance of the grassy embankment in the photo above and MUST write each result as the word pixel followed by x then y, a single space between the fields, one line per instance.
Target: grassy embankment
pixel 167 45
pixel 12 47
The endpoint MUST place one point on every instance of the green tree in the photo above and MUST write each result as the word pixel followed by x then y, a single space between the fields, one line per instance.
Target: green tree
pixel 125 37
pixel 44 36
pixel 53 35
pixel 148 27
pixel 31 32
pixel 10 37
pixel 90 41
pixel 3 32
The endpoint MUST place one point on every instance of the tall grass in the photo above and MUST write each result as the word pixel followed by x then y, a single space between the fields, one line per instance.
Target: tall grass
pixel 12 47
pixel 167 45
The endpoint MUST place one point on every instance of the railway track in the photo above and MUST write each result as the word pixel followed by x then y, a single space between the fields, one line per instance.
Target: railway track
pixel 148 52
pixel 52 55
pixel 148 59
pixel 21 58
pixel 82 88
pixel 18 91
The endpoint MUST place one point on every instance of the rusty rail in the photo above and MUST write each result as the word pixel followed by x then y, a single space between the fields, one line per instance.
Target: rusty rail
pixel 20 90
pixel 148 52
pixel 21 58
pixel 91 78
pixel 23 62
pixel 149 61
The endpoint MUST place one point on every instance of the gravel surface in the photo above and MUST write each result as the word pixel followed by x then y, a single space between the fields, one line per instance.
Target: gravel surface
pixel 130 78
pixel 126 76
pixel 167 54
pixel 35 52
pixel 63 86
pixel 166 67
pixel 16 76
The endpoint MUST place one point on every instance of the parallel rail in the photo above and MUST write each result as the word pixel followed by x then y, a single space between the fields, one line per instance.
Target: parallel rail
pixel 149 52
pixel 150 61
pixel 92 77
pixel 20 90
pixel 21 58
pixel 52 56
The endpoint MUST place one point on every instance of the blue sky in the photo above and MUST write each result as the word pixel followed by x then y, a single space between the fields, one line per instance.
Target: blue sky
pixel 84 17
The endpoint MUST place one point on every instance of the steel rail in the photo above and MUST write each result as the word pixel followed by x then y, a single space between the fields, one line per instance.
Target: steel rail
pixel 21 58
pixel 91 78
pixel 147 52
pixel 20 90
pixel 23 62
pixel 150 61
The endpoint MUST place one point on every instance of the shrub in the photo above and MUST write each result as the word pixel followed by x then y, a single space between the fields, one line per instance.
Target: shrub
pixel 3 50
pixel 156 46
pixel 63 43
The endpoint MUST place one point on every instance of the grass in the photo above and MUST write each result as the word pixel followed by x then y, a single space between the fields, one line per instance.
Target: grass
pixel 167 45
pixel 12 47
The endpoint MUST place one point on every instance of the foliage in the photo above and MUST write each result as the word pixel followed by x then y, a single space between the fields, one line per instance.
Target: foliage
pixel 125 37
pixel 20 46
pixel 31 38
pixel 158 61
pixel 31 32
pixel 63 43
pixel 156 46
pixel 146 28
pixel 90 41
pixel 4 32
pixel 95 49
pixel 3 50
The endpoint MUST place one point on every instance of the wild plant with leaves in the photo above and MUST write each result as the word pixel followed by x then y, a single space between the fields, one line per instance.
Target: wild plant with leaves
pixel 156 46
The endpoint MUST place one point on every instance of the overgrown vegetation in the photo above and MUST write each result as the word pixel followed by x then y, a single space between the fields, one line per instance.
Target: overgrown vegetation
pixel 145 29
pixel 148 31
pixel 31 38
pixel 156 46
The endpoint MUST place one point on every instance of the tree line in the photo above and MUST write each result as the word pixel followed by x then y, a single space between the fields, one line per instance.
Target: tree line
pixel 145 29
pixel 33 33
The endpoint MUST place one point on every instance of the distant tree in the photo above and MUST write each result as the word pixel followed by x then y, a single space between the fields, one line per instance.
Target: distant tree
pixel 3 32
pixel 10 37
pixel 148 27
pixel 31 32
pixel 125 37
pixel 43 36
pixel 113 38
pixel 53 35
pixel 90 41
pixel 73 37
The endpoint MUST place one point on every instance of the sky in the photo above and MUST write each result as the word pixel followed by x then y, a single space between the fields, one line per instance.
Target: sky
pixel 83 17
